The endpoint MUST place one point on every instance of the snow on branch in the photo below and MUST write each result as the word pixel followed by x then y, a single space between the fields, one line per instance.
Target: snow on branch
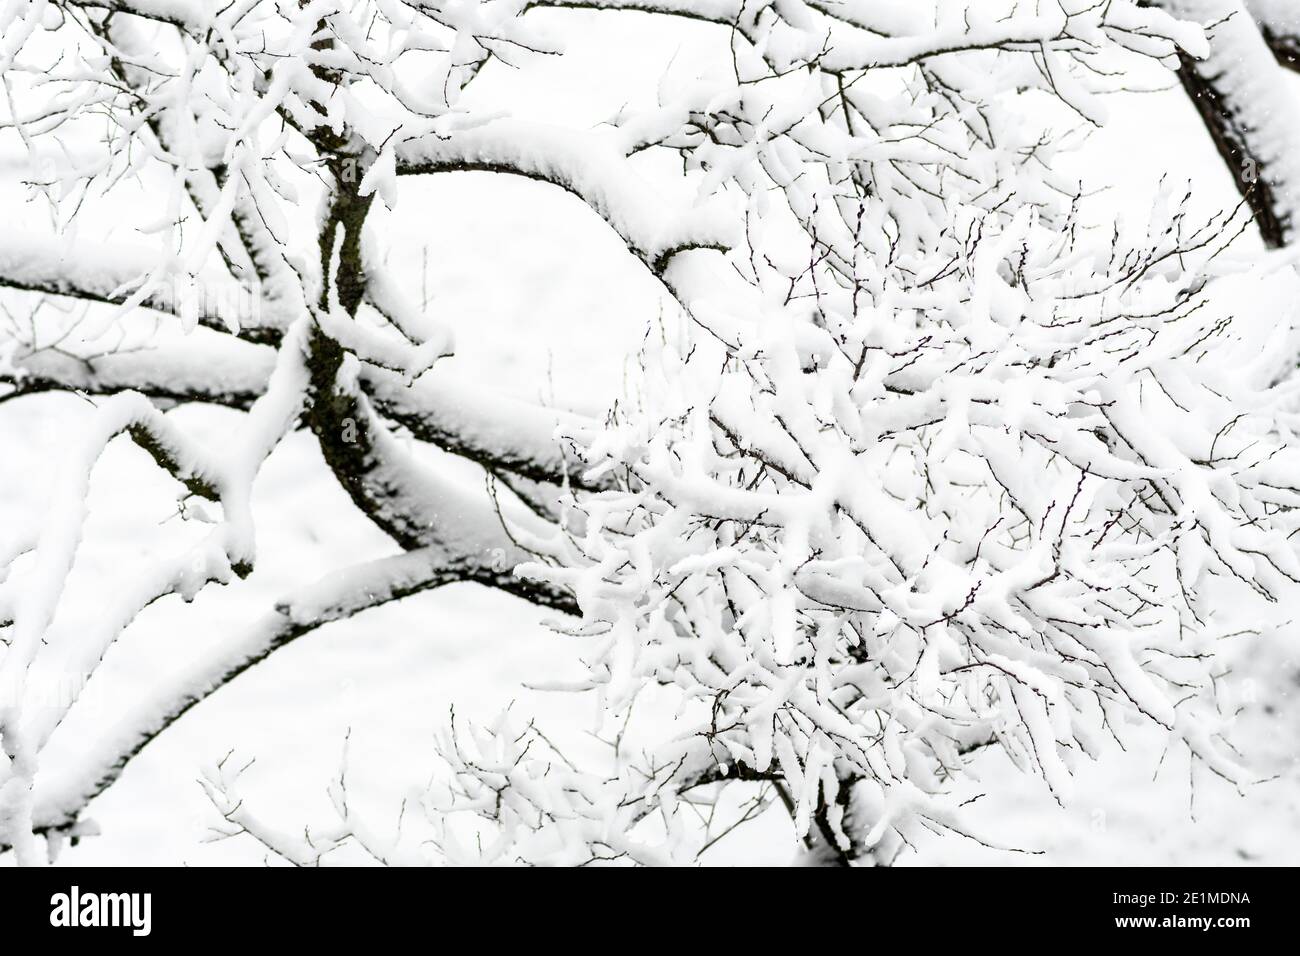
pixel 497 432
pixel 587 165
pixel 940 477
pixel 1279 22
pixel 232 374
pixel 1243 98
pixel 64 792
pixel 501 434
pixel 843 513
pixel 119 275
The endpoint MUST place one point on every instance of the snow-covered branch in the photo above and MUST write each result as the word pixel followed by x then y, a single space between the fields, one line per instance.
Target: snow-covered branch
pixel 65 791
pixel 587 165
pixel 1243 98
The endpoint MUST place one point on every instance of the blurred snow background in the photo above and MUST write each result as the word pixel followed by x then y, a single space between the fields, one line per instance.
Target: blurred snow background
pixel 548 306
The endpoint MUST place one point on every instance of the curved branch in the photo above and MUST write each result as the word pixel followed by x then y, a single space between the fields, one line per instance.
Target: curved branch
pixel 583 164
pixel 339 595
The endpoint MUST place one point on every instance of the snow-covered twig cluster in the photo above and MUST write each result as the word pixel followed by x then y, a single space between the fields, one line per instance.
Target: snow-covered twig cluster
pixel 856 550
pixel 960 470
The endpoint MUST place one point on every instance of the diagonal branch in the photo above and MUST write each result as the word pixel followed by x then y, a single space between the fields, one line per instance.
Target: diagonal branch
pixel 64 793
pixel 1240 92
pixel 1279 23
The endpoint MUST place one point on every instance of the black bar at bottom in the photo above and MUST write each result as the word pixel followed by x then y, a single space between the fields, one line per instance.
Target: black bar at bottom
pixel 1219 907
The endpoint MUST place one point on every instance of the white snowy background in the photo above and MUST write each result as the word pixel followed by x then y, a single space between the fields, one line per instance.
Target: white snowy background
pixel 547 305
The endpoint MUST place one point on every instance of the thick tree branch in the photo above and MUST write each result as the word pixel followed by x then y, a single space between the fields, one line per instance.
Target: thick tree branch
pixel 63 797
pixel 1240 93
pixel 110 274
pixel 588 166
pixel 1279 22
pixel 501 434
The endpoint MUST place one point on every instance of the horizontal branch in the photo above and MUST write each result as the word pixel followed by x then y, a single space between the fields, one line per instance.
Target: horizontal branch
pixel 499 433
pixel 191 17
pixel 111 273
